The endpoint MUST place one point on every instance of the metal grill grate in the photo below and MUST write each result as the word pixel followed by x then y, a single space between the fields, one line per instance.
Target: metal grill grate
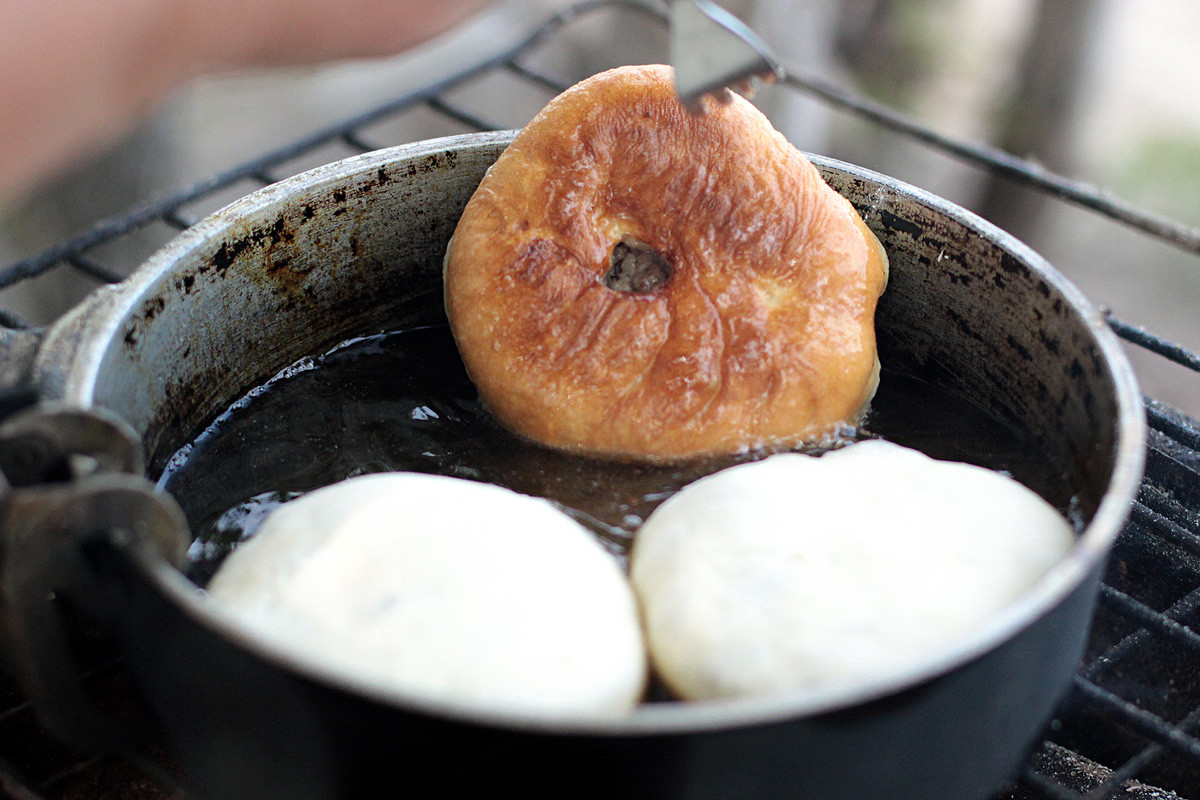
pixel 1130 727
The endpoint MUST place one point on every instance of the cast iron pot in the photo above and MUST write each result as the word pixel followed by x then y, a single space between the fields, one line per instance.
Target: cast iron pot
pixel 300 265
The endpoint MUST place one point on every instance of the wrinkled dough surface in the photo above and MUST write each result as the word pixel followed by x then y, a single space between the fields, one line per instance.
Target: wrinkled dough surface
pixel 764 331
pixel 445 590
pixel 804 573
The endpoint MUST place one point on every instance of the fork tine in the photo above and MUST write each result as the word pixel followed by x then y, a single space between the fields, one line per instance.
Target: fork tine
pixel 712 51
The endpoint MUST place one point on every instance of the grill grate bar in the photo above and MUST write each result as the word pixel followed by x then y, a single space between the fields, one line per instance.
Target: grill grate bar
pixel 1050 788
pixel 14 322
pixel 1155 344
pixel 93 268
pixel 1062 774
pixel 1167 509
pixel 16 709
pixel 1147 756
pixel 1003 163
pixel 176 219
pixel 1127 772
pixel 1165 528
pixel 354 140
pixel 258 168
pixel 544 81
pixel 1137 639
pixel 1169 422
pixel 460 115
pixel 1149 619
pixel 11 787
pixel 48 784
pixel 1148 724
pixel 1120 778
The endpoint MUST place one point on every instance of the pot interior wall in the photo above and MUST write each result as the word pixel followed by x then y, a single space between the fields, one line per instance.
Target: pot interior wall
pixel 972 310
pixel 357 247
pixel 285 273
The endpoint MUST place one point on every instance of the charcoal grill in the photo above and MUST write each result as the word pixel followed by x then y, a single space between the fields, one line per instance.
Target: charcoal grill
pixel 1130 727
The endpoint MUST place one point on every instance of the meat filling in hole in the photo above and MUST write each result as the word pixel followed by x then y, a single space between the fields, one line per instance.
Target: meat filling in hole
pixel 636 268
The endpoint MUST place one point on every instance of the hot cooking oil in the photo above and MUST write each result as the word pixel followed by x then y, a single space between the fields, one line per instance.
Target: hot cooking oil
pixel 402 401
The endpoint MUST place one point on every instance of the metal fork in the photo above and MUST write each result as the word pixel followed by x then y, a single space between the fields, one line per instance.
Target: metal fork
pixel 713 52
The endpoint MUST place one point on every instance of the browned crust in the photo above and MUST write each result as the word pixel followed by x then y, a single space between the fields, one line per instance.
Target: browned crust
pixel 764 333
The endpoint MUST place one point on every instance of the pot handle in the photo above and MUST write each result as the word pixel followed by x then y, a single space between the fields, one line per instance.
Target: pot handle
pixel 72 495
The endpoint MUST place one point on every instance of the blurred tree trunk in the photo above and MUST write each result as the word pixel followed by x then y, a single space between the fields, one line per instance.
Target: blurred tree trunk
pixel 1036 121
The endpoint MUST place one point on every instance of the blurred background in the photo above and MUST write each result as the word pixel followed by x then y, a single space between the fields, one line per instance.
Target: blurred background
pixel 1099 90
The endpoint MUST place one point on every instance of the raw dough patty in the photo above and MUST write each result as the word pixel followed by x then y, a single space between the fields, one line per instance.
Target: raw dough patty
pixel 799 572
pixel 443 589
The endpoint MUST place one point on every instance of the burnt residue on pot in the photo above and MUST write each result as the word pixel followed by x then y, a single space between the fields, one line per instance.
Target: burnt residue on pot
pixel 978 319
pixel 226 255
pixel 898 224
pixel 295 279
pixel 147 315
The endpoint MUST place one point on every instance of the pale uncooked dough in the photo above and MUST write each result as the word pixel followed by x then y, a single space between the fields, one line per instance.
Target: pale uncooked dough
pixel 443 589
pixel 801 572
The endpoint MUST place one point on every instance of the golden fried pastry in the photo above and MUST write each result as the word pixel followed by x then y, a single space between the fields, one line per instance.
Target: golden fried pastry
pixel 634 281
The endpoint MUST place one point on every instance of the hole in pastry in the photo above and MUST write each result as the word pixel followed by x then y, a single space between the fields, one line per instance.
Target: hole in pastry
pixel 636 268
